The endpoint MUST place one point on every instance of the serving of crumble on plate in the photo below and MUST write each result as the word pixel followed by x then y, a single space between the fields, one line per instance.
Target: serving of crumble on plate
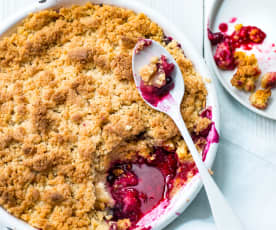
pixel 76 139
pixel 244 54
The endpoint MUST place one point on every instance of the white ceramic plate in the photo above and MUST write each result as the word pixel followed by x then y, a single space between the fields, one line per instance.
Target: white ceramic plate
pixel 166 212
pixel 248 12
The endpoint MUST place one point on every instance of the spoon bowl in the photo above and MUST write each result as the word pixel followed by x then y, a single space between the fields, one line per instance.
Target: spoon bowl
pixel 142 58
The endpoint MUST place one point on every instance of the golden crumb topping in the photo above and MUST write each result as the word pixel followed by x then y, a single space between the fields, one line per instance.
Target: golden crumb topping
pixel 259 99
pixel 69 106
pixel 268 80
pixel 147 71
pixel 153 73
pixel 247 73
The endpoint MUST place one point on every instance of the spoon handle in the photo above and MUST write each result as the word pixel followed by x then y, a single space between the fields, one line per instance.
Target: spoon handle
pixel 223 214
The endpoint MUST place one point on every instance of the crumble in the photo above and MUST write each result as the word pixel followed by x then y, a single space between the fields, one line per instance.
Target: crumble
pixel 259 99
pixel 148 73
pixel 247 73
pixel 69 108
pixel 268 80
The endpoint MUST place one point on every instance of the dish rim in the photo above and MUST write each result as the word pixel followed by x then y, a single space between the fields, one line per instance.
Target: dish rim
pixel 187 193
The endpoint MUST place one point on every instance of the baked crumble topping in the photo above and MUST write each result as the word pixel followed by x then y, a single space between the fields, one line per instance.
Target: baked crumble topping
pixel 149 74
pixel 268 80
pixel 247 73
pixel 142 44
pixel 259 99
pixel 157 73
pixel 69 108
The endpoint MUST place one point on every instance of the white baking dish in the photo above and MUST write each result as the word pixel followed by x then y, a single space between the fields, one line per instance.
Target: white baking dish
pixel 166 212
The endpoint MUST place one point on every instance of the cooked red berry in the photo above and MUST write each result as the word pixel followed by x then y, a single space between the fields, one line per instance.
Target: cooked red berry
pixel 167 67
pixel 150 91
pixel 224 57
pixel 215 38
pixel 126 179
pixel 167 40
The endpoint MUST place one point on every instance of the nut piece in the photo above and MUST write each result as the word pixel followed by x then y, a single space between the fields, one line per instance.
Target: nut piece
pixel 260 98
pixel 247 73
pixel 269 80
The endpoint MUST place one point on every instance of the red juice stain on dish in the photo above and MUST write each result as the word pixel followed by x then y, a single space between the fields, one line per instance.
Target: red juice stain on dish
pixel 207 113
pixel 233 20
pixel 223 27
pixel 245 37
pixel 213 137
pixel 210 134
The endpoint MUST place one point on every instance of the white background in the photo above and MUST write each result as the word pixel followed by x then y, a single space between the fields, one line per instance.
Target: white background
pixel 245 168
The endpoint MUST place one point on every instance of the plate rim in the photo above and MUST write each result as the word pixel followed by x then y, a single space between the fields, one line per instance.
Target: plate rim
pixel 180 201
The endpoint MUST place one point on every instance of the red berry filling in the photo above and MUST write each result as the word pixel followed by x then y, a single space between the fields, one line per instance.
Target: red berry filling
pixel 247 35
pixel 207 113
pixel 224 56
pixel 139 185
pixel 166 66
pixel 215 38
pixel 244 37
pixel 142 184
pixel 154 94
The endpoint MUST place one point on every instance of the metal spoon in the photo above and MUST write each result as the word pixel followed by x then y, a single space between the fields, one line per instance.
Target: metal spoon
pixel 223 214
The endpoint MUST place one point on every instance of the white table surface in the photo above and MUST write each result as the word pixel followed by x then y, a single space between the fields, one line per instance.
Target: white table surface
pixel 245 167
